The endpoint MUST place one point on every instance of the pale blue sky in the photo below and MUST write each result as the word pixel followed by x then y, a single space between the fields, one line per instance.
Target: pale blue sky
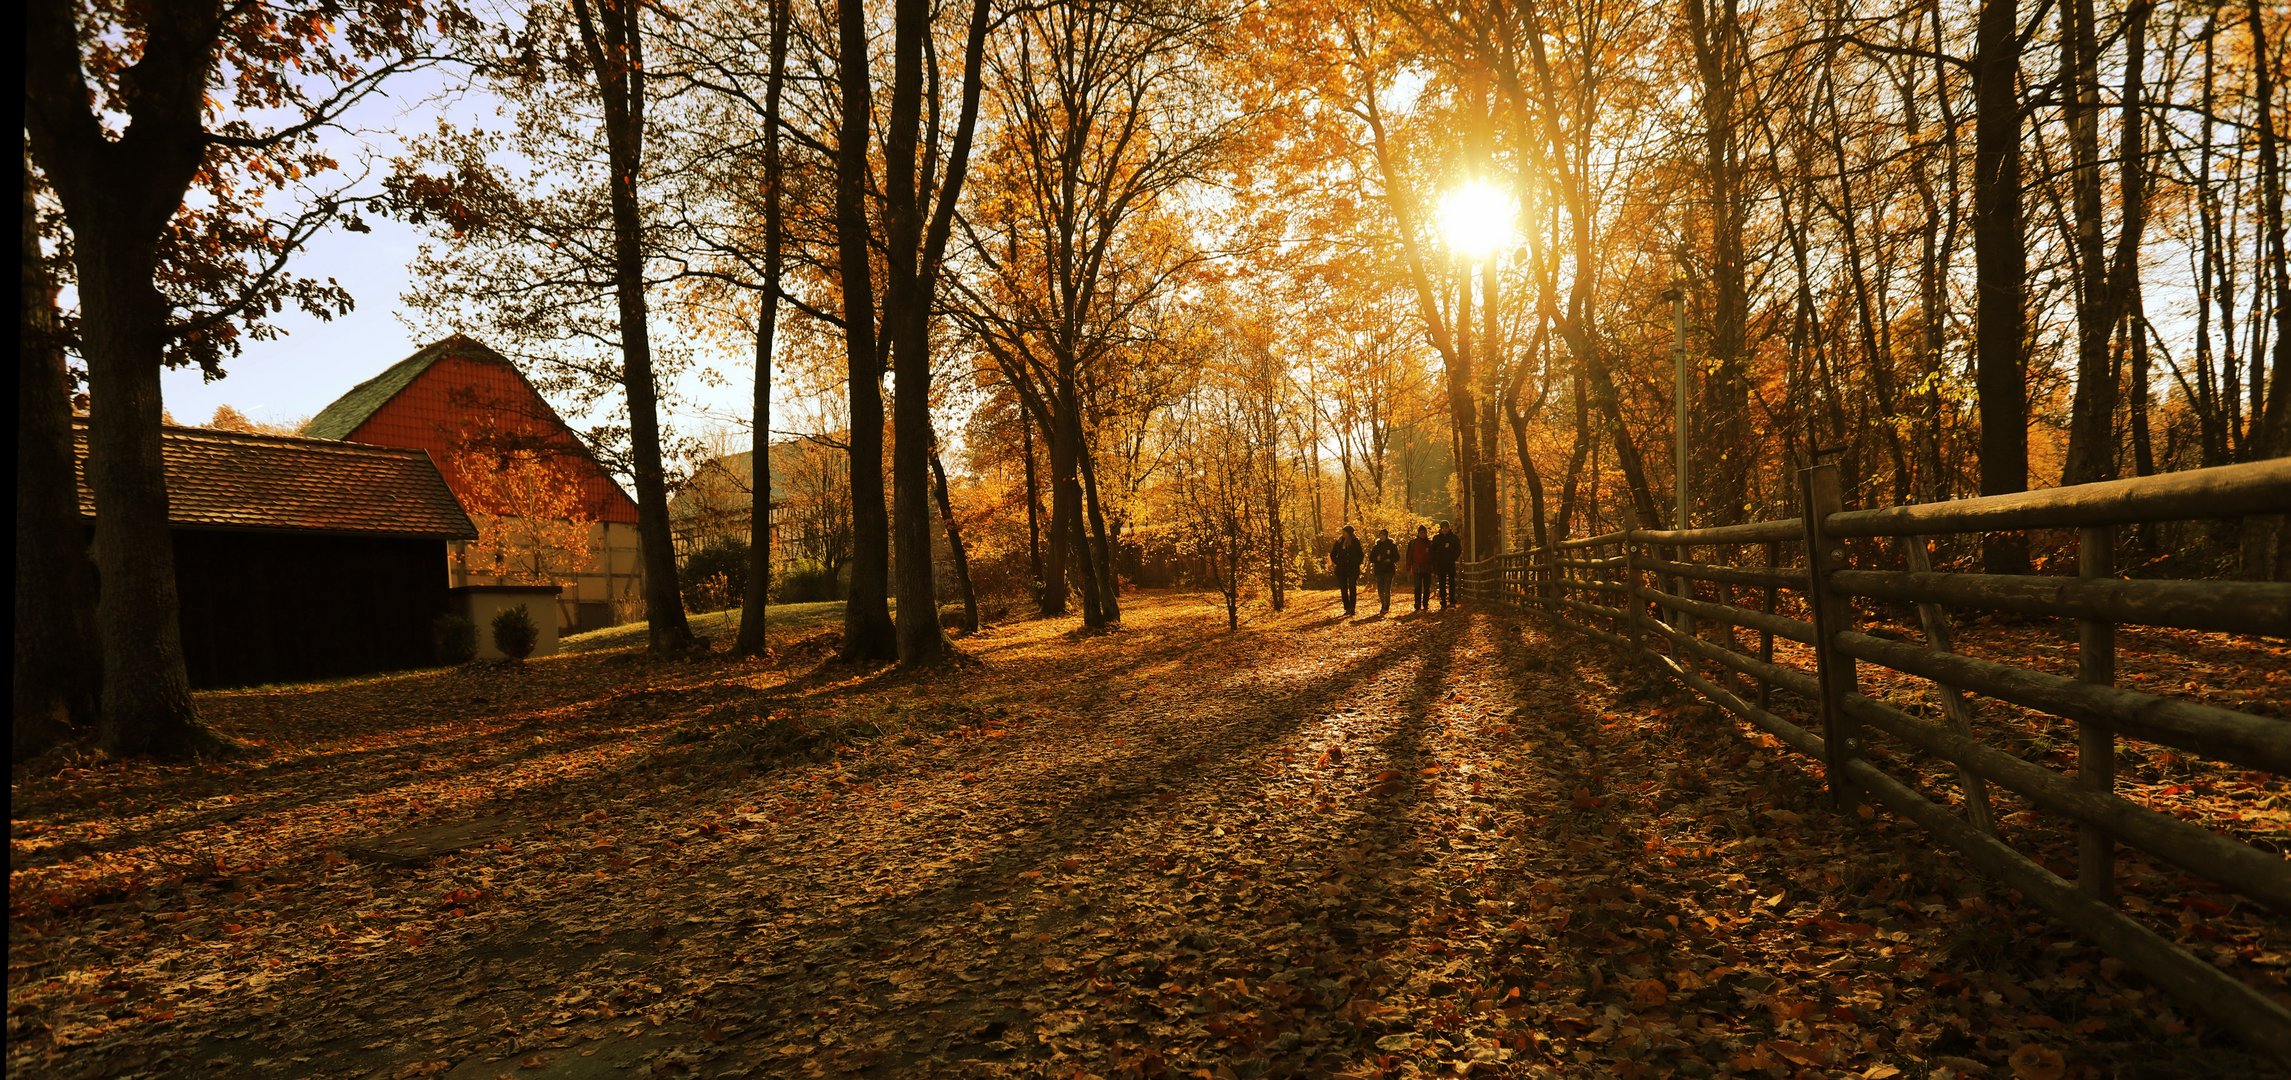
pixel 289 378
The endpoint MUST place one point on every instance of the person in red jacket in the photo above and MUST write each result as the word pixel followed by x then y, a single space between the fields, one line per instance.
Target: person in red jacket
pixel 1420 566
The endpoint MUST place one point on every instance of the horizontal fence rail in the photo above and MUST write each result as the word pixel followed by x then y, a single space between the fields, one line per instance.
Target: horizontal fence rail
pixel 1713 622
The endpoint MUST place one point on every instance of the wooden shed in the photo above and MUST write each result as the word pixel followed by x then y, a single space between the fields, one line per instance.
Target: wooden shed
pixel 301 559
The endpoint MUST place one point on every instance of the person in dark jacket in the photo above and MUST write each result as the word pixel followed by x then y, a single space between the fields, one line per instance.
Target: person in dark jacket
pixel 1420 567
pixel 1447 548
pixel 1345 557
pixel 1382 559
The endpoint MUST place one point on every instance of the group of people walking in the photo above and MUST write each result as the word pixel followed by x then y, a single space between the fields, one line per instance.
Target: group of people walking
pixel 1430 557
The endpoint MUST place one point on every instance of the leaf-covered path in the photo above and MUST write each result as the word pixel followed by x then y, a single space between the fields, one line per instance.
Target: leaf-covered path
pixel 1449 843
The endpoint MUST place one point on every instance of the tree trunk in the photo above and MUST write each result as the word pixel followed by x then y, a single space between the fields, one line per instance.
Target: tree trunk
pixel 1042 590
pixel 955 543
pixel 867 630
pixel 147 707
pixel 1539 531
pixel 1276 580
pixel 1101 539
pixel 118 196
pixel 2000 265
pixel 2105 286
pixel 1069 532
pixel 1487 506
pixel 1719 61
pixel 58 666
pixel 756 605
pixel 906 317
pixel 2267 541
pixel 615 46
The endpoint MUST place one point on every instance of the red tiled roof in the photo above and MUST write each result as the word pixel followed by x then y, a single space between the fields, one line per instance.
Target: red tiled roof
pixel 229 480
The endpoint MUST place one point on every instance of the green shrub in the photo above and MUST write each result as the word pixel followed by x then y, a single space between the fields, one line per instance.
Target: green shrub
pixel 514 633
pixel 715 578
pixel 455 637
pixel 806 583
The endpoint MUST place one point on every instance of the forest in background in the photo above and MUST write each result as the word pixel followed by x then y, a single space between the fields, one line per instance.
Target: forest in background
pixel 1206 279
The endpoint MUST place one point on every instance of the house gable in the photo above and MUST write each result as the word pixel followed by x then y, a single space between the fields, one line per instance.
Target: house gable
pixel 456 393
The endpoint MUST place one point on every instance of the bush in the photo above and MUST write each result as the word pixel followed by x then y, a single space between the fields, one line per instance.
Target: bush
pixel 715 578
pixel 455 637
pixel 806 583
pixel 514 633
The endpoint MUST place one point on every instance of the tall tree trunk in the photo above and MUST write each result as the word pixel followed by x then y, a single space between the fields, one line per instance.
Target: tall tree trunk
pixel 867 630
pixel 2106 283
pixel 615 47
pixel 2274 414
pixel 1101 539
pixel 955 549
pixel 1536 523
pixel 1718 50
pixel 1034 519
pixel 1276 577
pixel 2000 265
pixel 58 662
pixel 916 238
pixel 1069 532
pixel 2143 441
pixel 906 318
pixel 1487 506
pixel 756 605
pixel 118 196
pixel 2267 541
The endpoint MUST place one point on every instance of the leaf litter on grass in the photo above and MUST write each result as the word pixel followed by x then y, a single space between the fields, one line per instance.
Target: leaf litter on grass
pixel 1461 845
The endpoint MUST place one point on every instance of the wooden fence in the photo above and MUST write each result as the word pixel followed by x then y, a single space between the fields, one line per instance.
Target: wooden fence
pixel 1647 590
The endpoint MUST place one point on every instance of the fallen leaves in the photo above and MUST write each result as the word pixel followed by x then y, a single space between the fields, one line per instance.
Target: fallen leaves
pixel 1300 849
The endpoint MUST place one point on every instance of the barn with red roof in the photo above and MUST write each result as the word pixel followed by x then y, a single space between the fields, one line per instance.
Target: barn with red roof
pixel 472 411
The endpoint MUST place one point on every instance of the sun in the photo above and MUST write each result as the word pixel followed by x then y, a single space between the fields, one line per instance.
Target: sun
pixel 1476 220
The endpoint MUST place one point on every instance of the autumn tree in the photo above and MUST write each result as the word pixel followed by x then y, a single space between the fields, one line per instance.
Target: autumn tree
pixel 126 109
pixel 921 184
pixel 1103 114
pixel 1217 483
pixel 534 523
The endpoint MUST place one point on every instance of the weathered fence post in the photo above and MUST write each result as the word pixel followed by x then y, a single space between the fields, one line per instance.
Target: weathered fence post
pixel 1683 586
pixel 1819 497
pixel 1634 613
pixel 2095 745
pixel 1766 636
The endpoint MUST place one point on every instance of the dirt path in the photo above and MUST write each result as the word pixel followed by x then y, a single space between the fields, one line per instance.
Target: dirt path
pixel 1316 846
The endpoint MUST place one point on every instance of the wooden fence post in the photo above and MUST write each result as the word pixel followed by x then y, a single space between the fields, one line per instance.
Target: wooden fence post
pixel 1633 610
pixel 1547 578
pixel 1766 636
pixel 1683 586
pixel 1819 497
pixel 2095 745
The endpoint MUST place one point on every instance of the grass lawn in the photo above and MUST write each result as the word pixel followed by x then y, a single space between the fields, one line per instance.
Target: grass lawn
pixel 786 622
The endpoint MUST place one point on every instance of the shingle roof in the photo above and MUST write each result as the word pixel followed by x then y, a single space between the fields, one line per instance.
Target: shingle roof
pixel 342 418
pixel 224 479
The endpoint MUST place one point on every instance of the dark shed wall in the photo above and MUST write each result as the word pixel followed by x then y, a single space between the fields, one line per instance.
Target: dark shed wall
pixel 285 607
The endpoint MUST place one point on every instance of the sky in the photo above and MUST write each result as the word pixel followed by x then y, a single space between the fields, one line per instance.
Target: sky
pixel 288 379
